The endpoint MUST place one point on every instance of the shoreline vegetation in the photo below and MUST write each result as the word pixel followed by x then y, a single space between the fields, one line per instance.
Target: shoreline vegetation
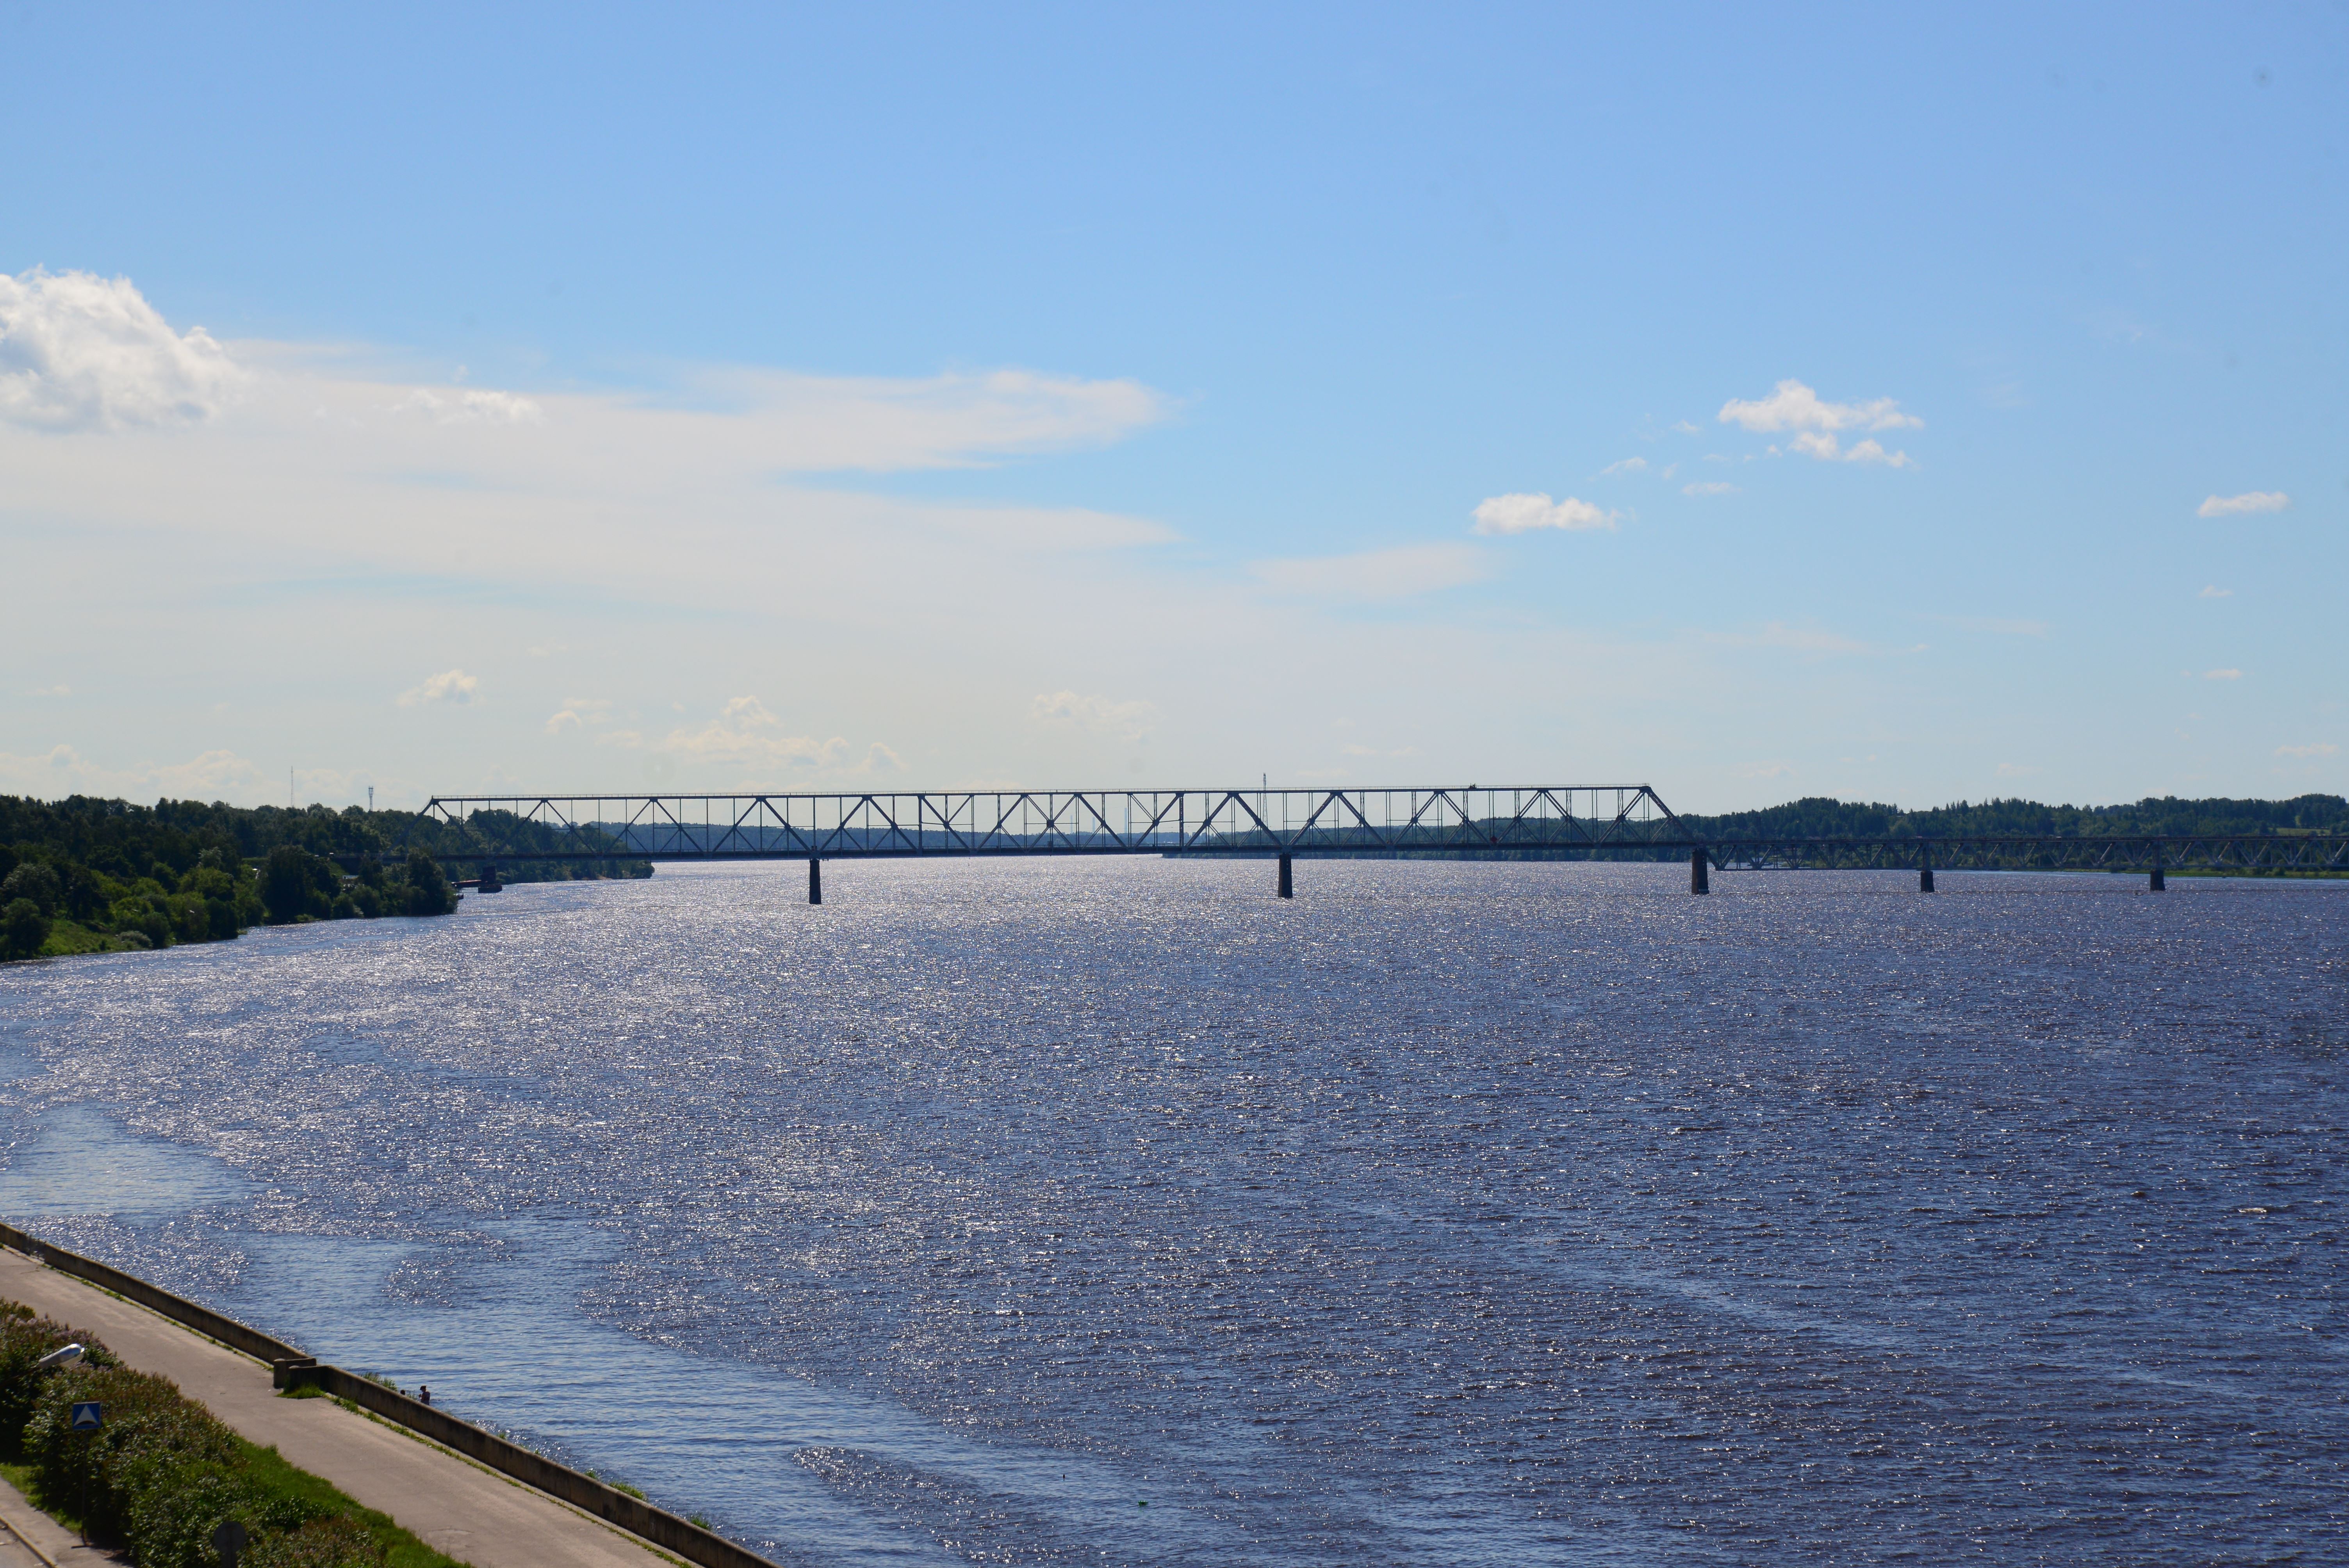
pixel 83 875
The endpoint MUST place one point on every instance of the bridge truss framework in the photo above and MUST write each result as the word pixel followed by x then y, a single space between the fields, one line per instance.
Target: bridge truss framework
pixel 1064 822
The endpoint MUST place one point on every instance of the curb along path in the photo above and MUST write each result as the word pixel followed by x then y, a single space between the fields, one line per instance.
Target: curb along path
pixel 469 1512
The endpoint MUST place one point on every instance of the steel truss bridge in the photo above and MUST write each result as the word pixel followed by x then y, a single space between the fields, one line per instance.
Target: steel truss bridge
pixel 1055 821
pixel 1548 821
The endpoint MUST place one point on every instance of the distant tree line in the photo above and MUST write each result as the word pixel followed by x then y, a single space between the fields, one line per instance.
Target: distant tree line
pixel 1818 817
pixel 1821 818
pixel 84 875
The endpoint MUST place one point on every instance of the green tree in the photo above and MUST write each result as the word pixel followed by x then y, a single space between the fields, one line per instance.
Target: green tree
pixel 34 881
pixel 429 891
pixel 285 884
pixel 22 929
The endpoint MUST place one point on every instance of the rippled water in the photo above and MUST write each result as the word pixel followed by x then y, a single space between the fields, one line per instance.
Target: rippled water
pixel 1450 1213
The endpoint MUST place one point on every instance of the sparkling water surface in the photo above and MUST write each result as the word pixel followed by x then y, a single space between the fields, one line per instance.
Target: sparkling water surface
pixel 1452 1214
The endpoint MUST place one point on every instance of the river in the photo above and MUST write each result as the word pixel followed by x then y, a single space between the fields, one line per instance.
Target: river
pixel 1112 1211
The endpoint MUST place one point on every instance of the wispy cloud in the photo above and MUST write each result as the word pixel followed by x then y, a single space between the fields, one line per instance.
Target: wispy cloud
pixel 1792 405
pixel 2222 675
pixel 1709 487
pixel 2016 770
pixel 471 405
pixel 578 713
pixel 79 352
pixel 1627 465
pixel 2215 591
pixel 2320 749
pixel 746 735
pixel 1128 721
pixel 1995 625
pixel 1525 513
pixel 1810 640
pixel 2236 505
pixel 448 685
pixel 62 770
pixel 1397 573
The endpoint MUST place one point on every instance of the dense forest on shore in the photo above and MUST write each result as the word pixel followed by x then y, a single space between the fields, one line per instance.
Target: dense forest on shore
pixel 83 875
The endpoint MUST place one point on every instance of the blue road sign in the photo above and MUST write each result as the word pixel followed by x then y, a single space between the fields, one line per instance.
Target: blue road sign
pixel 89 1415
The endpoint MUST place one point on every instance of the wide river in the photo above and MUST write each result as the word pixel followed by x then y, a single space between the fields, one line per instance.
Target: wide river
pixel 1114 1211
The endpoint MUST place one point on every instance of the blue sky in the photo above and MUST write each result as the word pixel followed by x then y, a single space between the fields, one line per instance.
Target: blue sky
pixel 814 399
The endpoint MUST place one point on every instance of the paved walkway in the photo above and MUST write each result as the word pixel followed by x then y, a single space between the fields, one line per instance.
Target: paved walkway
pixel 473 1514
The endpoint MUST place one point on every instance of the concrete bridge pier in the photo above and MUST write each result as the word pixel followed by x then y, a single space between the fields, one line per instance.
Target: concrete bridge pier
pixel 1700 879
pixel 1285 888
pixel 815 879
pixel 2156 884
pixel 1925 878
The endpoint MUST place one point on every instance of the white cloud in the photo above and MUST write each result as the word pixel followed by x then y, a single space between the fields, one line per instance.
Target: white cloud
pixel 2215 591
pixel 1378 573
pixel 578 713
pixel 1129 720
pixel 471 405
pixel 2322 748
pixel 1822 446
pixel 746 735
pixel 1684 427
pixel 1709 487
pixel 1524 514
pixel 62 770
pixel 79 352
pixel 448 685
pixel 1627 465
pixel 2250 500
pixel 2222 675
pixel 1792 405
pixel 1763 770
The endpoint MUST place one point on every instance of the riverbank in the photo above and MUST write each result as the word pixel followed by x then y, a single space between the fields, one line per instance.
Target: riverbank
pixel 450 1502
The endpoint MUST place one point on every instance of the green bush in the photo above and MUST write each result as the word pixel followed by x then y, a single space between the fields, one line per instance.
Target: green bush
pixel 155 1444
pixel 25 1338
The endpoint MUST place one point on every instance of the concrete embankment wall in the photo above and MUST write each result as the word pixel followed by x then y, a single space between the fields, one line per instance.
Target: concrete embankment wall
pixel 291 1367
